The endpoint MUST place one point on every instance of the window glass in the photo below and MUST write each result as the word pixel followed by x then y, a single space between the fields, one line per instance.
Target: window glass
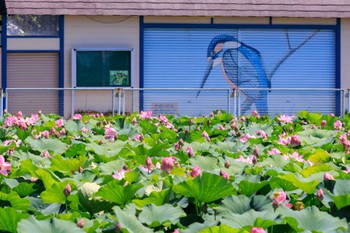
pixel 32 25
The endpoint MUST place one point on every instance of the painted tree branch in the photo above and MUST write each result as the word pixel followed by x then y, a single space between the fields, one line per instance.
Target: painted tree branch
pixel 289 53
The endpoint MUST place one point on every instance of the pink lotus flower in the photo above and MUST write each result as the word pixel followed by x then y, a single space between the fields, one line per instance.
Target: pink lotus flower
pixel 77 117
pixel 176 231
pixel 323 123
pixel 133 121
pixel 257 230
pixel 196 171
pixel 63 132
pixel 294 141
pixel 138 137
pixel 110 133
pixel 46 154
pixel 167 164
pixel 255 113
pixel 224 174
pixel 274 151
pixel 45 134
pixel 145 115
pixel 119 175
pixel 67 190
pixel 5 167
pixel 285 119
pixel 245 138
pixel 279 198
pixel 189 151
pixel 248 160
pixel 320 194
pixel 206 136
pixel 328 176
pixel 331 114
pixel 337 125
pixel 11 120
pixel 262 134
pixel 163 119
pixel 149 164
pixel 31 120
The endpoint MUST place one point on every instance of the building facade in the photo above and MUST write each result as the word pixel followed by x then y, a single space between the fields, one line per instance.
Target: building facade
pixel 284 56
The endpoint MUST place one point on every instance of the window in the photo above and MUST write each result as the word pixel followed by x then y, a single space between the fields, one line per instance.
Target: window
pixel 32 25
pixel 101 68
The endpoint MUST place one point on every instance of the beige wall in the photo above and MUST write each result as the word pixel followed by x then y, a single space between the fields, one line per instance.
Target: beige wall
pixel 99 32
pixel 33 43
pixel 345 53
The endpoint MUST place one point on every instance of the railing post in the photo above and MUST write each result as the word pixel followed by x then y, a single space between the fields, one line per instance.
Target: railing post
pixel 2 103
pixel 113 97
pixel 123 95
pixel 119 100
pixel 72 103
pixel 228 101
pixel 348 101
pixel 239 102
pixel 234 102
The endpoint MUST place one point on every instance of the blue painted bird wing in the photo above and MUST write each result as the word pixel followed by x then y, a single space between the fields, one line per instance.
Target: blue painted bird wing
pixel 242 70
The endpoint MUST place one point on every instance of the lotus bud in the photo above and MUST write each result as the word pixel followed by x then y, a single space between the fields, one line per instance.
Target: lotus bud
pixel 242 119
pixel 212 114
pixel 190 122
pixel 196 171
pixel 337 125
pixel 206 136
pixel 46 154
pixel 256 114
pixel 323 123
pixel 291 129
pixel 227 164
pixel 257 230
pixel 63 132
pixel 149 164
pixel 278 198
pixel 134 121
pixel 189 151
pixel 299 205
pixel 81 170
pixel 320 194
pixel 19 114
pixel 167 164
pixel 256 151
pixel 67 190
pixel 52 131
pixel 254 159
pixel 208 122
pixel 328 176
pixel 221 127
pixel 331 114
pixel 176 231
pixel 294 141
pixel 81 223
pixel 224 174
pixel 5 111
pixel 39 112
pixel 118 228
pixel 179 144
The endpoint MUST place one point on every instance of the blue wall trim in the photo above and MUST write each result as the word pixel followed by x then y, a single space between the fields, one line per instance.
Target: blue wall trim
pixel 36 37
pixel 231 26
pixel 61 66
pixel 141 60
pixel 338 64
pixel 4 57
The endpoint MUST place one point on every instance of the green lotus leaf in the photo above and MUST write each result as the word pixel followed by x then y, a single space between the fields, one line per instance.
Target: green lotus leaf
pixel 47 226
pixel 50 144
pixel 319 156
pixel 24 189
pixel 88 201
pixel 205 188
pixel 249 218
pixel 47 177
pixel 312 219
pixel 111 167
pixel 222 229
pixel 316 137
pixel 278 183
pixel 314 118
pixel 319 168
pixel 249 188
pixel 76 148
pixel 205 163
pixel 114 192
pixel 164 215
pixel 15 200
pixel 55 194
pixel 130 222
pixel 68 166
pixel 156 198
pixel 197 227
pixel 10 218
pixel 148 127
pixel 341 193
pixel 73 127
pixel 306 184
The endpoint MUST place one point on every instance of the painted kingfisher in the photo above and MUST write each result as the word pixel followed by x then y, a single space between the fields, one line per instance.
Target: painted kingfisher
pixel 242 67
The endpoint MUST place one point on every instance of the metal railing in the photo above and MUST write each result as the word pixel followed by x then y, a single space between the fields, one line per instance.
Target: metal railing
pixel 178 101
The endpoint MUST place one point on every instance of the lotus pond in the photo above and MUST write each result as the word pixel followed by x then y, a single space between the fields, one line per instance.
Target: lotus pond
pixel 142 173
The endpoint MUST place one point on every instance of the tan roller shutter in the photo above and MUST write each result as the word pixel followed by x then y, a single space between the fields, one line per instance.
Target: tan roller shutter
pixel 32 70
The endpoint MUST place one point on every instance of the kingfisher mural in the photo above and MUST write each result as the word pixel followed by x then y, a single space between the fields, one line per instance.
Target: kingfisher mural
pixel 242 67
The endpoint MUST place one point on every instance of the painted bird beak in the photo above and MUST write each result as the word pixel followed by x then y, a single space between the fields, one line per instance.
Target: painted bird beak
pixel 206 75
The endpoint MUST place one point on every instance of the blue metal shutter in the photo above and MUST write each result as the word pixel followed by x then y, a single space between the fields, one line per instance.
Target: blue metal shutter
pixel 177 58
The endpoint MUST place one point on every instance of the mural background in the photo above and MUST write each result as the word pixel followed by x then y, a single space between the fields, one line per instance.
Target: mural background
pixel 177 58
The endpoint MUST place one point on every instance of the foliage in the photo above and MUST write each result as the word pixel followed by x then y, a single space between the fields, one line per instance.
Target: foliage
pixel 144 173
